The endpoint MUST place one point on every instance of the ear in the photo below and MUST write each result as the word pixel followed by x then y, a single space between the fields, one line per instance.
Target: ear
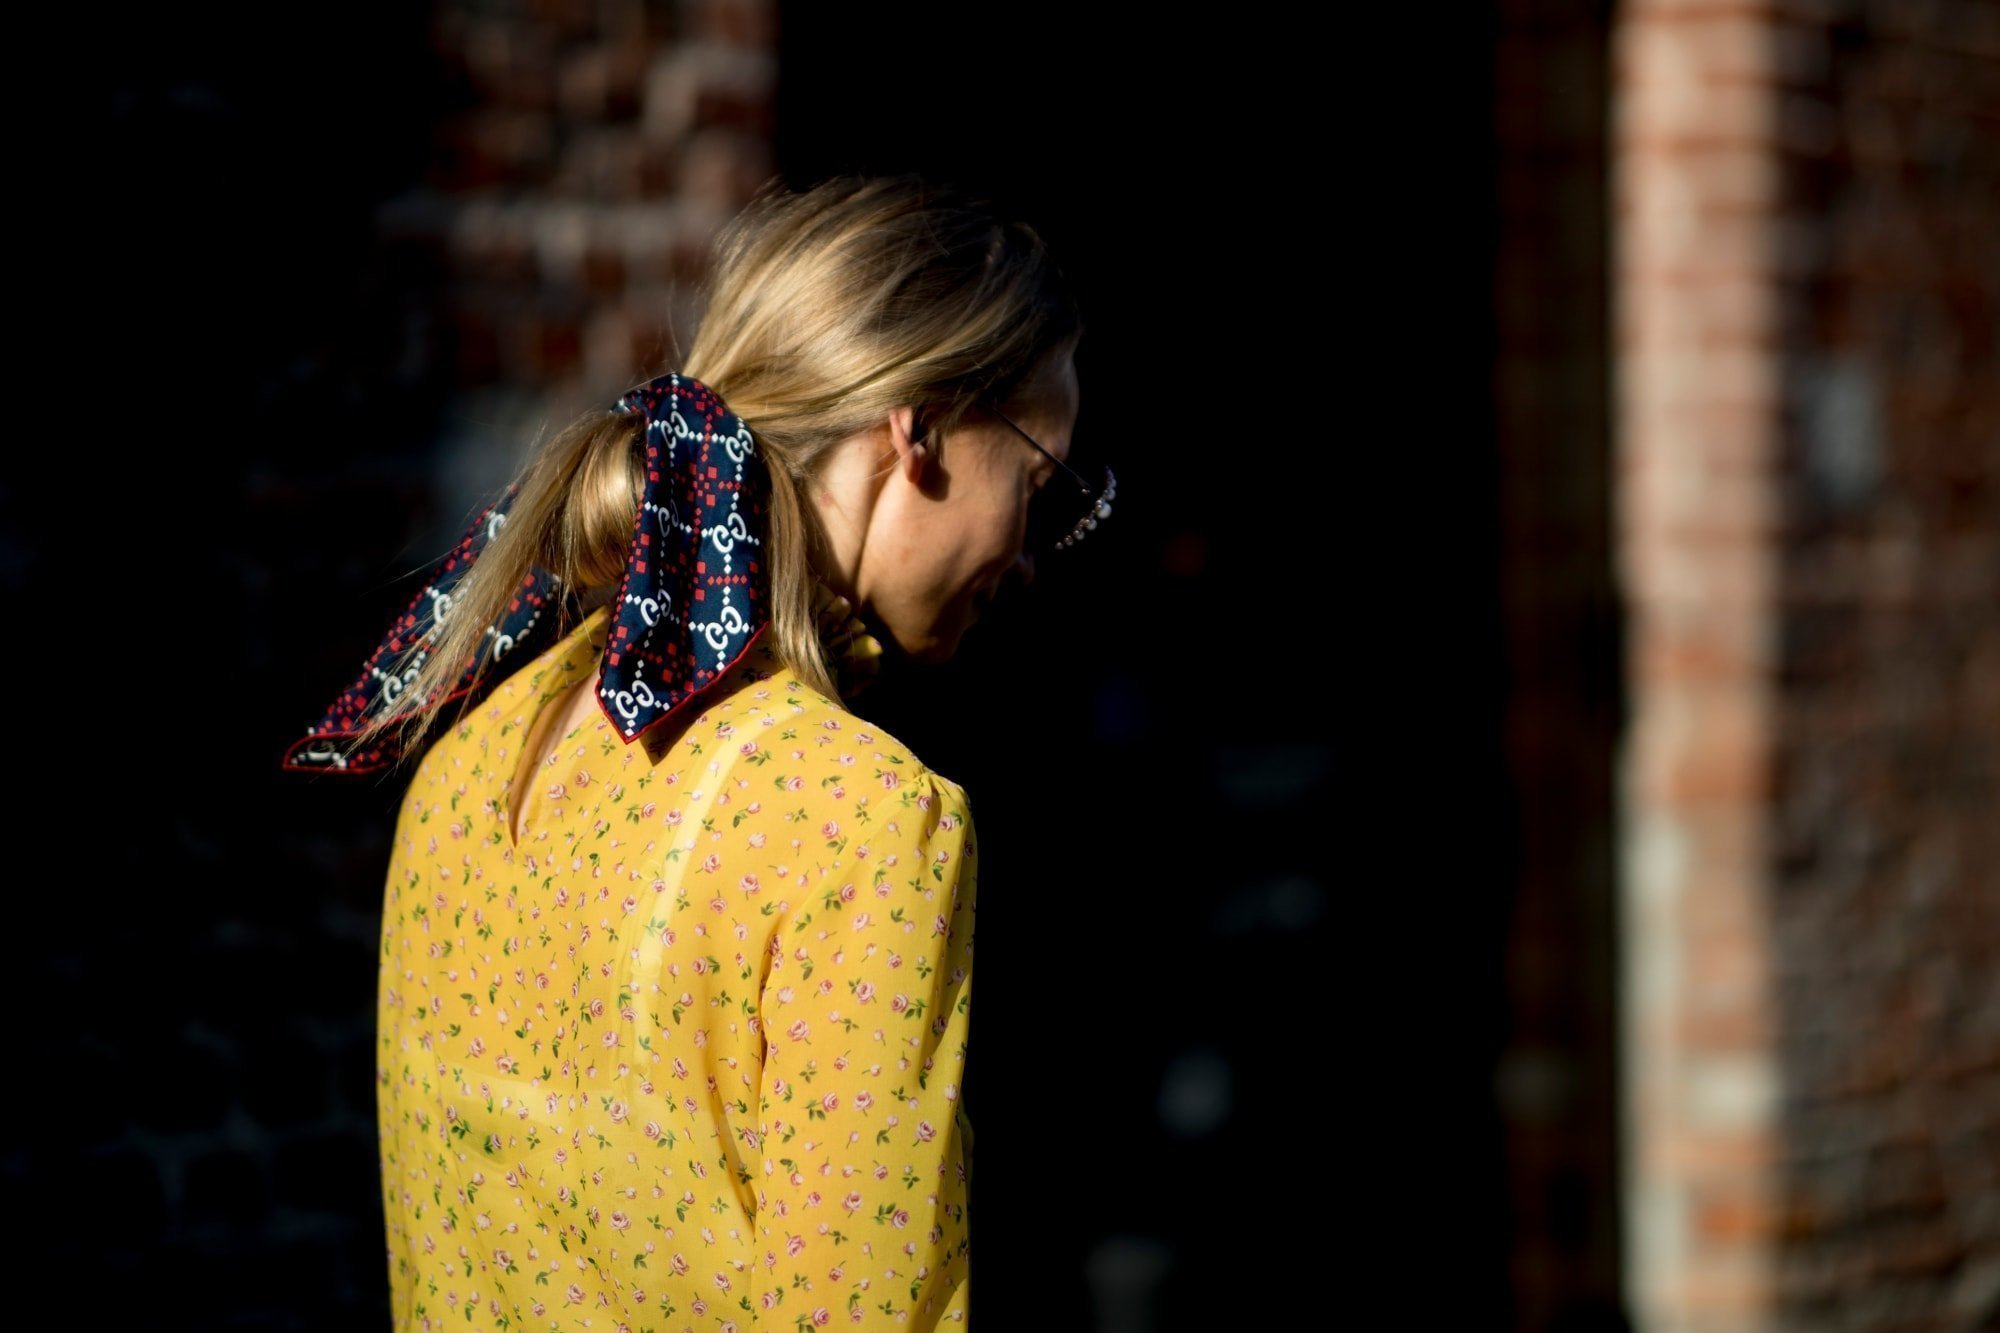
pixel 913 449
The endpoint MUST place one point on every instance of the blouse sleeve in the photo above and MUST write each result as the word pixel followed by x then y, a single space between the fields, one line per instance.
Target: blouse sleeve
pixel 866 1009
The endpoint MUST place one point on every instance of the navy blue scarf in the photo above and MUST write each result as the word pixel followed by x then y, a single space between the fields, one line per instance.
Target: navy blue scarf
pixel 694 595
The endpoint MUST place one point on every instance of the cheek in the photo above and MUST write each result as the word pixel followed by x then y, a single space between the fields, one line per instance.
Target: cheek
pixel 988 541
pixel 1013 527
pixel 1003 544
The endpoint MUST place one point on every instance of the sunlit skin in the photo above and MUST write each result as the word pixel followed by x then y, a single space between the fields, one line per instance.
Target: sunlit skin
pixel 921 539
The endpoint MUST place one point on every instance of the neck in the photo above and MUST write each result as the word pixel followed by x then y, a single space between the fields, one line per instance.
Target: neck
pixel 843 494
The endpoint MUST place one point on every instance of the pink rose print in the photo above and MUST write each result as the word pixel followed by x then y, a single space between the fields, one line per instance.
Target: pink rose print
pixel 545 940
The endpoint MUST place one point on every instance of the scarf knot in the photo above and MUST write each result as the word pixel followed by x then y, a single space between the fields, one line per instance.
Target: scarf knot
pixel 693 597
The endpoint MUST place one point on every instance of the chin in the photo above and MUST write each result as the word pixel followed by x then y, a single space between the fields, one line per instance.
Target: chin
pixel 936 651
pixel 938 646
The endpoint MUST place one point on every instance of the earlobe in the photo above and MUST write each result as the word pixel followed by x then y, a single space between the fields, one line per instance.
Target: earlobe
pixel 913 447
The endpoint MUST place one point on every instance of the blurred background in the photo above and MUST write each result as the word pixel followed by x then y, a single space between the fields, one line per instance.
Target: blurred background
pixel 1527 855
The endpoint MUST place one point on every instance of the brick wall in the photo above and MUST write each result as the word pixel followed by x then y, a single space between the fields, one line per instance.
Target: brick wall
pixel 1884 843
pixel 596 149
pixel 1808 407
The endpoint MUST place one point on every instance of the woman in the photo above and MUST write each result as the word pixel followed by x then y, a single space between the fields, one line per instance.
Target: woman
pixel 676 948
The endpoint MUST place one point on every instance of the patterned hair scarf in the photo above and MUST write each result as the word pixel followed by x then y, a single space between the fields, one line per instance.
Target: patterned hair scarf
pixel 694 595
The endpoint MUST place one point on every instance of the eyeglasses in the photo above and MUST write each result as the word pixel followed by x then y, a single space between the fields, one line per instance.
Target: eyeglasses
pixel 1058 519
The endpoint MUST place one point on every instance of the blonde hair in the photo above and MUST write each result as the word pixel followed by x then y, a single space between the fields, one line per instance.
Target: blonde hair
pixel 826 309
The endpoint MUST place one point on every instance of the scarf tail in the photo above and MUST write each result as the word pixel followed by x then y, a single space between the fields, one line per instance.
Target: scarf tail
pixel 525 624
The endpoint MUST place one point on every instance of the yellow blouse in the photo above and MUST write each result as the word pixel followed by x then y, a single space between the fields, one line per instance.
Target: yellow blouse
pixel 687 1056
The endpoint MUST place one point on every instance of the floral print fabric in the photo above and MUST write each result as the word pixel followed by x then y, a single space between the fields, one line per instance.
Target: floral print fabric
pixel 688 1056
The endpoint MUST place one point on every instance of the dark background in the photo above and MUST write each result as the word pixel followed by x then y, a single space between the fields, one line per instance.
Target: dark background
pixel 1237 770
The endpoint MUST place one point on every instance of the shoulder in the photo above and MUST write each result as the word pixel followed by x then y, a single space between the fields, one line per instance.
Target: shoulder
pixel 811 731
pixel 832 779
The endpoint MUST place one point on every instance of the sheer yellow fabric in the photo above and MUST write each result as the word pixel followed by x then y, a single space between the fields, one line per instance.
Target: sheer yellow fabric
pixel 688 1056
